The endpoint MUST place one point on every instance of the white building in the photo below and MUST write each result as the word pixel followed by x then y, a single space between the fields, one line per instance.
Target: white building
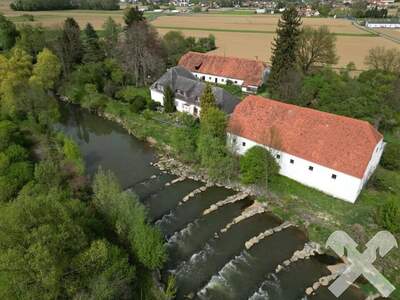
pixel 187 90
pixel 331 153
pixel 383 23
pixel 246 73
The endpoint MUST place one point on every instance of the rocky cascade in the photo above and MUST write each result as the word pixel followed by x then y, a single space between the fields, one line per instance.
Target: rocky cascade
pixel 176 180
pixel 252 210
pixel 230 199
pixel 310 249
pixel 336 270
pixel 255 240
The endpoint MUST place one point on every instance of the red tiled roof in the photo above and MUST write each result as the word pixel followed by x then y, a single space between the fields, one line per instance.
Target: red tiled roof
pixel 250 71
pixel 340 143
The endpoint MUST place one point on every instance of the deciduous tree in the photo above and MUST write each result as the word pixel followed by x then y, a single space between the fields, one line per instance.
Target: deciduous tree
pixel 316 48
pixel 380 58
pixel 8 33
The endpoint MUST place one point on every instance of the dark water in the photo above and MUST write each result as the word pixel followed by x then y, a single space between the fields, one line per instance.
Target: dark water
pixel 207 264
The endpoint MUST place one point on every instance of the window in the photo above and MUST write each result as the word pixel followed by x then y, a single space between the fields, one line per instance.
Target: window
pixel 292 161
pixel 311 168
pixel 243 144
pixel 234 140
pixel 222 80
pixel 334 176
pixel 235 81
pixel 209 77
pixel 278 156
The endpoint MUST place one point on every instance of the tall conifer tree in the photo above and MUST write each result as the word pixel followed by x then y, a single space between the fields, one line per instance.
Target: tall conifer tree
pixel 207 100
pixel 93 51
pixel 284 50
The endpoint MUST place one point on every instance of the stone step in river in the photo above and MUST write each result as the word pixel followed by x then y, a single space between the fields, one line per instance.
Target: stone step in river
pixel 184 243
pixel 241 276
pixel 165 200
pixel 151 185
pixel 195 272
pixel 191 209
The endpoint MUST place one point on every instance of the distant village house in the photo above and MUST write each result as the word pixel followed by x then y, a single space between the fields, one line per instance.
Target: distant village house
pixel 246 73
pixel 331 153
pixel 188 90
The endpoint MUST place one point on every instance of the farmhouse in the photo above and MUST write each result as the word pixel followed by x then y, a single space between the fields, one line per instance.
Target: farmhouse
pixel 331 153
pixel 188 90
pixel 249 74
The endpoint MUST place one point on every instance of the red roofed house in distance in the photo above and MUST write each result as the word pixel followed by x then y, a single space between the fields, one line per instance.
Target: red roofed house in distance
pixel 246 73
pixel 331 153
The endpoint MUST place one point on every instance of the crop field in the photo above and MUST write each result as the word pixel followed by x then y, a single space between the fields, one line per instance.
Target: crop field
pixel 391 32
pixel 252 36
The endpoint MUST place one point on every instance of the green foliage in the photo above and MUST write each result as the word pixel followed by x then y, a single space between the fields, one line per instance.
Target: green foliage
pixel 175 45
pixel 111 31
pixel 169 100
pixel 72 154
pixel 184 138
pixel 257 166
pixel 46 71
pixel 391 157
pixel 91 45
pixel 284 52
pixel 317 47
pixel 127 217
pixel 69 45
pixel 388 214
pixel 207 100
pixel 170 291
pixel 385 181
pixel 32 39
pixel 372 96
pixel 133 15
pixel 214 123
pixel 8 33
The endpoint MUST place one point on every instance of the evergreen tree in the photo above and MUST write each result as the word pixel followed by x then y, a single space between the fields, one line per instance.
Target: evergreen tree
pixel 110 38
pixel 169 100
pixel 207 100
pixel 69 46
pixel 285 46
pixel 133 15
pixel 93 52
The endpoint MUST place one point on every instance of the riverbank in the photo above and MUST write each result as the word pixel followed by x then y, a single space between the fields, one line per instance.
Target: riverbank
pixel 318 213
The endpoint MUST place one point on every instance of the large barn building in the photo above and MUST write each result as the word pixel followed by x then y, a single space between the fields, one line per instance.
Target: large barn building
pixel 246 73
pixel 331 153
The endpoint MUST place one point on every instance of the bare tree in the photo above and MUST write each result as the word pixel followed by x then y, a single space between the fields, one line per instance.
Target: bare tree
pixel 141 53
pixel 380 58
pixel 317 47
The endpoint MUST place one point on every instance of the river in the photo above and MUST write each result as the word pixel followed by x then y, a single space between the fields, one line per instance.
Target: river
pixel 207 263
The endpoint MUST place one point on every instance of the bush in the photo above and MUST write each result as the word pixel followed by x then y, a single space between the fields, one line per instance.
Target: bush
pixel 388 214
pixel 391 157
pixel 385 181
pixel 138 104
pixel 257 165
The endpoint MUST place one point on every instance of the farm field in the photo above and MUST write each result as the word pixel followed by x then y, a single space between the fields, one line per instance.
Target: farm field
pixel 391 32
pixel 258 45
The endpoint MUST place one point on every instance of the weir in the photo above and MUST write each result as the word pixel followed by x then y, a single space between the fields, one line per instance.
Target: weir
pixel 192 214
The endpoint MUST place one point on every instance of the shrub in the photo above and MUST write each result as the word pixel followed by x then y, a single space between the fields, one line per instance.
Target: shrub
pixel 391 157
pixel 138 104
pixel 385 181
pixel 257 165
pixel 388 214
